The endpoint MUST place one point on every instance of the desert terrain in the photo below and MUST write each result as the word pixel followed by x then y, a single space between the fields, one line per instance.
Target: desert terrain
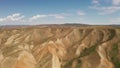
pixel 60 46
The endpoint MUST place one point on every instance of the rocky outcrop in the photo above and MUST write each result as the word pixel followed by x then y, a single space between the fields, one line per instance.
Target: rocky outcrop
pixel 60 47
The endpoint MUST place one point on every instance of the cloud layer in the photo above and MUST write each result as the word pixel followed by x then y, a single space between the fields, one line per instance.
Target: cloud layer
pixel 101 7
pixel 81 13
pixel 116 2
pixel 105 9
pixel 13 17
pixel 18 17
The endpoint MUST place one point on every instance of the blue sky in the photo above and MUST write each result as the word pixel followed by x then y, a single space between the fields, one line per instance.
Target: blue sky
pixel 32 12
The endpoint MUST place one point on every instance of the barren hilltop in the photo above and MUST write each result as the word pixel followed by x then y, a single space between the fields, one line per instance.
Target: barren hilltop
pixel 60 46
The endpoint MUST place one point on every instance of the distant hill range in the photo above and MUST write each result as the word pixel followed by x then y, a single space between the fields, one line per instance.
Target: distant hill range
pixel 66 24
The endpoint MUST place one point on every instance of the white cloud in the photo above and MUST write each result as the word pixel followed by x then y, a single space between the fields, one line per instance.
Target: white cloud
pixel 13 17
pixel 96 2
pixel 81 13
pixel 17 17
pixel 116 2
pixel 106 10
pixel 58 16
pixel 102 8
pixel 37 17
pixel 115 20
pixel 2 19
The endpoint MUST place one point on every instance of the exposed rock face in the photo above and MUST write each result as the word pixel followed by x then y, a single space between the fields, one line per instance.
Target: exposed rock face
pixel 60 47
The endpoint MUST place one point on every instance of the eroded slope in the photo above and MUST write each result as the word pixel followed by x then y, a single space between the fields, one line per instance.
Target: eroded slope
pixel 60 47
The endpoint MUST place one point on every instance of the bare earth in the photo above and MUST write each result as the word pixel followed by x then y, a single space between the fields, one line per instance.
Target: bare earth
pixel 58 46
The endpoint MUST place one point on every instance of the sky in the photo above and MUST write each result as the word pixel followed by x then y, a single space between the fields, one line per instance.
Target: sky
pixel 35 12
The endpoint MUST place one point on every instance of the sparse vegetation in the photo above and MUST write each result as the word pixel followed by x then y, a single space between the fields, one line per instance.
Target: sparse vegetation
pixel 72 46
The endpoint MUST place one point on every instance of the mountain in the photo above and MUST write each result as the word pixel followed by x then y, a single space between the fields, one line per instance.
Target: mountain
pixel 60 46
